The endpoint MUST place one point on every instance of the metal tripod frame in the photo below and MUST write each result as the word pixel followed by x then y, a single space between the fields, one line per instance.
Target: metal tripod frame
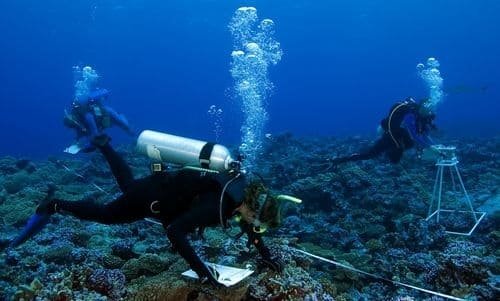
pixel 451 163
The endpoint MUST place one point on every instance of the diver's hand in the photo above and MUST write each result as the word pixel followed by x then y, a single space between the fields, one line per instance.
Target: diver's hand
pixel 209 276
pixel 209 280
pixel 431 153
pixel 274 263
pixel 436 148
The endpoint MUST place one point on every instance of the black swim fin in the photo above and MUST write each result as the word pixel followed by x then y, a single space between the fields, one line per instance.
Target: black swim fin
pixel 35 224
pixel 37 221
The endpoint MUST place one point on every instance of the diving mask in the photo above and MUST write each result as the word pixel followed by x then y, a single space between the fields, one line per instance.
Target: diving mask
pixel 264 204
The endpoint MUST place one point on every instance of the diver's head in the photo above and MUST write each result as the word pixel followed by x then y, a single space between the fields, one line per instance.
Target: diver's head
pixel 76 103
pixel 257 209
pixel 425 108
pixel 98 95
pixel 261 208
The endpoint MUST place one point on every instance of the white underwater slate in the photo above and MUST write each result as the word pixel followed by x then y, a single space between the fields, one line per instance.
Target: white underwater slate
pixel 228 276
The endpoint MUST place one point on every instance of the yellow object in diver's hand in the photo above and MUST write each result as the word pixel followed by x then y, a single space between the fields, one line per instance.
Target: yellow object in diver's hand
pixel 284 197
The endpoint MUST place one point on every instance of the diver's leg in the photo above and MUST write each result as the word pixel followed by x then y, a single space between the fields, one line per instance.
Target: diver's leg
pixel 127 208
pixel 395 152
pixel 340 160
pixel 90 124
pixel 122 210
pixel 379 147
pixel 119 120
pixel 406 139
pixel 395 155
pixel 374 151
pixel 120 169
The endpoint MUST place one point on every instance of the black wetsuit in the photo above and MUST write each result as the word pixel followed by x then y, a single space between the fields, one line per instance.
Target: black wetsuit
pixel 183 201
pixel 395 139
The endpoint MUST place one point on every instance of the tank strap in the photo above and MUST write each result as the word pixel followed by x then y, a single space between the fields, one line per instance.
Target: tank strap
pixel 205 153
pixel 389 122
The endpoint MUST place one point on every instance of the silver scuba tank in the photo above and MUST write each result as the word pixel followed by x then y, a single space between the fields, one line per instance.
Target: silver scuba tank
pixel 173 149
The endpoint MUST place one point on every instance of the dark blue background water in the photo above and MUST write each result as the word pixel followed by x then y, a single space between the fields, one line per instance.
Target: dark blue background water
pixel 166 62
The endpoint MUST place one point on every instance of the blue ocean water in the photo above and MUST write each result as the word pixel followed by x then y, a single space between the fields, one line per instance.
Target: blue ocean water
pixel 344 64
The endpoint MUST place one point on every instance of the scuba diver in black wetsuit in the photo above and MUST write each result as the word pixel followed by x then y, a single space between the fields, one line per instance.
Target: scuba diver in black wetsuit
pixel 407 125
pixel 183 201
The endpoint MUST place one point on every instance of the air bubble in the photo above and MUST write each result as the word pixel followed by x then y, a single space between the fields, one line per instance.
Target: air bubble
pixel 86 79
pixel 250 75
pixel 431 75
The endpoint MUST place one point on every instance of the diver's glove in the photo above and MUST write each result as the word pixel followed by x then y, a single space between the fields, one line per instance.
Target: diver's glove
pixel 209 276
pixel 274 263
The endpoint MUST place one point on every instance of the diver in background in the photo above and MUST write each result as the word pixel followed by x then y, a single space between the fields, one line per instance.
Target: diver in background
pixel 91 117
pixel 407 125
pixel 183 201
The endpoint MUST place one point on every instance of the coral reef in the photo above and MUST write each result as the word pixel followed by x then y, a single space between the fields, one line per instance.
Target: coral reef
pixel 110 283
pixel 146 265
